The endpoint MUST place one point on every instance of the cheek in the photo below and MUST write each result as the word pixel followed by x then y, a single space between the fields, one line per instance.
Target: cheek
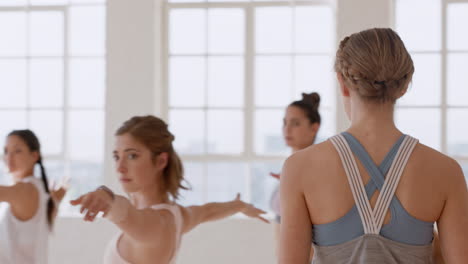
pixel 142 173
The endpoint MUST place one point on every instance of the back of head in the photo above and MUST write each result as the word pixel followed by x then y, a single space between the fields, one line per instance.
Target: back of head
pixel 309 104
pixel 154 134
pixel 375 63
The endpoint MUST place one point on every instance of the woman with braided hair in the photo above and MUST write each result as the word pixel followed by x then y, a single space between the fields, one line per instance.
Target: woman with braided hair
pixel 150 220
pixel 372 194
pixel 28 207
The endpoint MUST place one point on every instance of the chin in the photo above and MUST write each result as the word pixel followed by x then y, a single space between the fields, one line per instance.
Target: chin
pixel 128 188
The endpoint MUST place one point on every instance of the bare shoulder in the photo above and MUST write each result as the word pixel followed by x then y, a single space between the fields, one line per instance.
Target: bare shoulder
pixel 436 166
pixel 315 158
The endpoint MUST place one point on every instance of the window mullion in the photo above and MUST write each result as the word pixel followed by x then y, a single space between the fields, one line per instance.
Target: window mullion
pixel 444 54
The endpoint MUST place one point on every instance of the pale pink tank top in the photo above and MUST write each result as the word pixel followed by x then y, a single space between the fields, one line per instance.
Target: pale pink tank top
pixel 112 255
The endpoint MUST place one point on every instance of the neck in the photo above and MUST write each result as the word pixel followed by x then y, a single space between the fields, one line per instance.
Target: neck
pixel 18 176
pixel 149 196
pixel 372 120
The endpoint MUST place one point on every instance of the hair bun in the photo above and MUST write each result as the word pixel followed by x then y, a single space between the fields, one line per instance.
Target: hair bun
pixel 313 99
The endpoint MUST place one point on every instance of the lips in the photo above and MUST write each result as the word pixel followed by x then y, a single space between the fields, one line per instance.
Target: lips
pixel 125 180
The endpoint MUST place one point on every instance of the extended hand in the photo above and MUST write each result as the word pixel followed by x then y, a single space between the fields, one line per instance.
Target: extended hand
pixel 251 211
pixel 275 175
pixel 92 203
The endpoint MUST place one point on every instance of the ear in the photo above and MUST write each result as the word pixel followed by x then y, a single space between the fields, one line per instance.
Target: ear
pixel 35 155
pixel 162 160
pixel 403 92
pixel 315 127
pixel 343 88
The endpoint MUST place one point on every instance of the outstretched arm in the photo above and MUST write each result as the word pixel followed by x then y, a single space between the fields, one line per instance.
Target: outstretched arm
pixel 139 224
pixel 195 215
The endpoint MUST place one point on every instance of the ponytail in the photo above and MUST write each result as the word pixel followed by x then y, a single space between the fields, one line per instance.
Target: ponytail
pixel 50 202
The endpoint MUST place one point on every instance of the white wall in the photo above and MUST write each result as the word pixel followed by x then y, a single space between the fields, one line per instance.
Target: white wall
pixel 133 87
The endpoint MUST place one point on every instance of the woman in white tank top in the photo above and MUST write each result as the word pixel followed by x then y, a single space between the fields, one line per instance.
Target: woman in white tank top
pixel 151 223
pixel 26 209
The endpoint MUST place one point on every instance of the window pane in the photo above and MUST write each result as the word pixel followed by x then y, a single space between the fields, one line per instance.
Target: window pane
pixel 428 126
pixel 418 23
pixel 194 174
pixel 85 177
pixel 457 16
pixel 315 74
pixel 46 33
pixel 55 170
pixel 314 29
pixel 48 126
pixel 187 81
pixel 268 132
pixel 11 120
pixel 225 131
pixel 46 83
pixel 188 127
pixel 263 184
pixel 87 30
pixel 187 31
pixel 457 70
pixel 327 126
pixel 48 2
pixel 87 83
pixel 225 31
pixel 225 81
pixel 225 180
pixel 13 83
pixel 273 81
pixel 13 32
pixel 13 2
pixel 457 138
pixel 425 87
pixel 464 166
pixel 86 135
pixel 273 29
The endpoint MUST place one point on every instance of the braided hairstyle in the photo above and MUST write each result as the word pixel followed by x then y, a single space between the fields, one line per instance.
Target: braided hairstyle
pixel 375 63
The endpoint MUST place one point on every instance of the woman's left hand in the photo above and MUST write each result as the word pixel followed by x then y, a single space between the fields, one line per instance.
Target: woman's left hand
pixel 251 211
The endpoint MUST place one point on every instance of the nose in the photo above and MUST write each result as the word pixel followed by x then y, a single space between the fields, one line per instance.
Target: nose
pixel 121 166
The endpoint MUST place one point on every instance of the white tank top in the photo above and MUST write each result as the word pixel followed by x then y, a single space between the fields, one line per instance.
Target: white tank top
pixel 112 255
pixel 25 242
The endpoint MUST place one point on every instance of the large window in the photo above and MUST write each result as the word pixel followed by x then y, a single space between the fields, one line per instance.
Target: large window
pixel 437 38
pixel 232 68
pixel 52 80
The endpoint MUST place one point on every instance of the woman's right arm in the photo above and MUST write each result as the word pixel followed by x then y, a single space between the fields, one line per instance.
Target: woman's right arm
pixel 453 222
pixel 23 199
pixel 195 215
pixel 142 225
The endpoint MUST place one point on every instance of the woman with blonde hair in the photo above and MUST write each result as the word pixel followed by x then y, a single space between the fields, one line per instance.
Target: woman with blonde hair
pixel 151 173
pixel 372 194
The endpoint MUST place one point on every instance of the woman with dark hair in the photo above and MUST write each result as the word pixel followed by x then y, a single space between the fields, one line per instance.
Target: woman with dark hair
pixel 27 209
pixel 301 123
pixel 151 222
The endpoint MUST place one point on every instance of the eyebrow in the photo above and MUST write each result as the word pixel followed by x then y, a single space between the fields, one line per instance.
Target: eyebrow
pixel 127 150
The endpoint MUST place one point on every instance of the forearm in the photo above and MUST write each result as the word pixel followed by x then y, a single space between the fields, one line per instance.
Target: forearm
pixel 119 210
pixel 217 211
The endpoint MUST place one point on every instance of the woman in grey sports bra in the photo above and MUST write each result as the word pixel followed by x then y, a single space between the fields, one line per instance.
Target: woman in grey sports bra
pixel 372 194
